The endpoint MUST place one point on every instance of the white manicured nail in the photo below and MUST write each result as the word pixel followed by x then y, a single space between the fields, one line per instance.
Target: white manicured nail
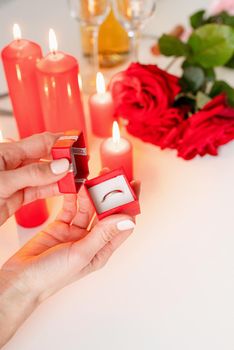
pixel 59 166
pixel 125 225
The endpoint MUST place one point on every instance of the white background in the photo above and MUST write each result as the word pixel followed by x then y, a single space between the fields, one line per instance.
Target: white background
pixel 171 286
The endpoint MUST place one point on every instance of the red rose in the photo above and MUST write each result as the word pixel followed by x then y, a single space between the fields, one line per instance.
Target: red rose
pixel 208 129
pixel 143 93
pixel 163 131
pixel 145 96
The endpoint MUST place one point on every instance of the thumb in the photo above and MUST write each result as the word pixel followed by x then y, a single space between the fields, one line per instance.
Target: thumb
pixel 103 233
pixel 35 174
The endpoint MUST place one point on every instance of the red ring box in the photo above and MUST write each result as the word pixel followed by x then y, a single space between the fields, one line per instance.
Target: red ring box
pixel 72 146
pixel 112 193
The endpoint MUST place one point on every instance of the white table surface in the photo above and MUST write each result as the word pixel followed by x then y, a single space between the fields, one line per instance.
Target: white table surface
pixel 171 286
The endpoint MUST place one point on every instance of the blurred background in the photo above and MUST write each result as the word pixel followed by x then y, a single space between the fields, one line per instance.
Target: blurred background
pixel 36 17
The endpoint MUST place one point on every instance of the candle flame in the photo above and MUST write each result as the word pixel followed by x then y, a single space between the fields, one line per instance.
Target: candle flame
pixel 53 43
pixel 100 83
pixel 1 136
pixel 116 133
pixel 17 32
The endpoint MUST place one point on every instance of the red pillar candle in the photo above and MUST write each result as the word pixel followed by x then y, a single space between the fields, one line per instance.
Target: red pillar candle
pixel 33 214
pixel 19 60
pixel 117 152
pixel 57 76
pixel 101 109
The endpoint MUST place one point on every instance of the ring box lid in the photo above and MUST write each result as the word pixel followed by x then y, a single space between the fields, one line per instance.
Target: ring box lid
pixel 72 146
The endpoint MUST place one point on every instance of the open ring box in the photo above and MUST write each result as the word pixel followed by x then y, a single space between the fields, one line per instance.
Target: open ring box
pixel 110 193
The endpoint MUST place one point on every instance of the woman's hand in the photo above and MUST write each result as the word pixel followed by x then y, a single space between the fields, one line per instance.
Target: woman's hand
pixel 64 252
pixel 23 177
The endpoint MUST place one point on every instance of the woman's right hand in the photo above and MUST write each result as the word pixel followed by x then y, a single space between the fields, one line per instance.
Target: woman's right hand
pixel 64 252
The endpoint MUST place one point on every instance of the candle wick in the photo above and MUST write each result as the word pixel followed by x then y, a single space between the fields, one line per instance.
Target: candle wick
pixel 117 143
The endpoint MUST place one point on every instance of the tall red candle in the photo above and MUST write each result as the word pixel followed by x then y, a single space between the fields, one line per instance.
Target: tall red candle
pixel 117 152
pixel 57 76
pixel 19 60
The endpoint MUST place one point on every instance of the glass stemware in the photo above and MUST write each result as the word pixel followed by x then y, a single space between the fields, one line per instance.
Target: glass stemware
pixel 90 14
pixel 133 14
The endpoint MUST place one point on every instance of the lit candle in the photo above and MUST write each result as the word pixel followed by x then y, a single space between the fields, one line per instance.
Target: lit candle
pixel 57 75
pixel 19 61
pixel 101 108
pixel 117 152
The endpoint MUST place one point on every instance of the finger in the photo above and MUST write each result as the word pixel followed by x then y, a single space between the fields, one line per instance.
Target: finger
pixel 102 257
pixel 136 186
pixel 94 220
pixel 104 232
pixel 31 194
pixel 69 209
pixel 14 154
pixel 33 175
pixel 85 210
pixel 18 199
pixel 104 171
pixel 9 207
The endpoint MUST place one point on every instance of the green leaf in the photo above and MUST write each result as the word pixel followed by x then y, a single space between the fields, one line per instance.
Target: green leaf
pixel 186 102
pixel 197 19
pixel 222 18
pixel 230 63
pixel 193 78
pixel 172 46
pixel 212 45
pixel 202 99
pixel 209 74
pixel 221 86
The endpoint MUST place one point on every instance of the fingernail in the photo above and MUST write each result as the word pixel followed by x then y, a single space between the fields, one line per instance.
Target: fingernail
pixel 125 225
pixel 59 166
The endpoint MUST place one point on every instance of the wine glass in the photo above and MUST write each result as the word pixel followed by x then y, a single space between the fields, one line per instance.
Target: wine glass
pixel 90 14
pixel 132 14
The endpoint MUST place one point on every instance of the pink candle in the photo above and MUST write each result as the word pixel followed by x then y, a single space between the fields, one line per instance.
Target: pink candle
pixel 101 108
pixel 57 76
pixel 117 152
pixel 19 60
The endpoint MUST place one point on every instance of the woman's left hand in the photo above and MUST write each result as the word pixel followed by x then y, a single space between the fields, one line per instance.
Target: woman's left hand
pixel 23 177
